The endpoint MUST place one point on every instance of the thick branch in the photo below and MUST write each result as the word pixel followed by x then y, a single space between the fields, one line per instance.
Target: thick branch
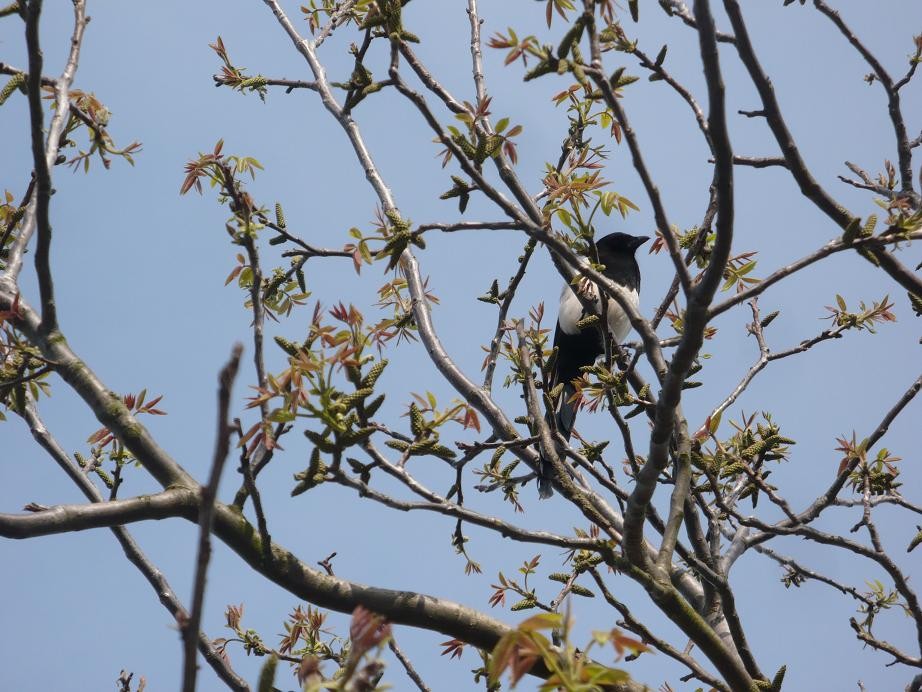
pixel 176 502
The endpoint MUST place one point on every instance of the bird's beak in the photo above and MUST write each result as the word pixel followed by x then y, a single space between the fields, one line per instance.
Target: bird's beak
pixel 639 240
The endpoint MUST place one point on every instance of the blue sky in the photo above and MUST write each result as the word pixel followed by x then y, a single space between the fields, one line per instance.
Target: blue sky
pixel 140 273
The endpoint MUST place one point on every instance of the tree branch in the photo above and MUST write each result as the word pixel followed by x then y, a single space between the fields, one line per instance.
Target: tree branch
pixel 795 163
pixel 407 665
pixel 208 493
pixel 904 155
pixel 175 502
pixel 829 248
pixel 631 623
pixel 44 154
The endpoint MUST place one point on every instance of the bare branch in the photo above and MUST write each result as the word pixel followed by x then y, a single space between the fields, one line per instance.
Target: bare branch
pixel 476 57
pixel 678 8
pixel 176 502
pixel 805 180
pixel 759 162
pixel 893 97
pixel 469 226
pixel 44 154
pixel 829 248
pixel 508 296
pixel 772 113
pixel 205 516
pixel 407 665
pixel 659 210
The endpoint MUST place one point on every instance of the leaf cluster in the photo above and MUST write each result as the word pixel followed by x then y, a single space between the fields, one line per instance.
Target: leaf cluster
pixel 742 457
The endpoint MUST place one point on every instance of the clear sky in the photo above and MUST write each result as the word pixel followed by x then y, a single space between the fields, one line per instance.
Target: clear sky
pixel 140 273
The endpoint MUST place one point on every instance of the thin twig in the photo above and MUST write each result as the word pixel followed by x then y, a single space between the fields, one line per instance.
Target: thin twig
pixel 44 154
pixel 754 328
pixel 677 8
pixel 508 295
pixel 664 75
pixel 208 495
pixel 893 97
pixel 289 84
pixel 829 248
pixel 336 18
pixel 828 497
pixel 407 665
pixel 439 505
pixel 249 483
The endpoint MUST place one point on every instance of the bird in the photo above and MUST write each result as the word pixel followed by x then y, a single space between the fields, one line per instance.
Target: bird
pixel 577 348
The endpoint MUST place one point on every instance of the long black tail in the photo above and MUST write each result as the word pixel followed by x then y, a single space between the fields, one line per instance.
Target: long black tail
pixel 563 417
pixel 573 352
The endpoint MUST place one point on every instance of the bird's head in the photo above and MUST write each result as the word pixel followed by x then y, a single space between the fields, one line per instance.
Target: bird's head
pixel 620 243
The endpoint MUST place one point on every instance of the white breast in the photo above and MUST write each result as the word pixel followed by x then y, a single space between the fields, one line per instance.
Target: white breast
pixel 571 310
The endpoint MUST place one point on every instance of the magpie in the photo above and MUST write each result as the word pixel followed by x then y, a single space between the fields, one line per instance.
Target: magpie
pixel 577 347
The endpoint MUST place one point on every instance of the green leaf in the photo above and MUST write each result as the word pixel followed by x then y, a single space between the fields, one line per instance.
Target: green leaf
pixel 714 422
pixel 605 120
pixel 565 218
pixel 746 268
pixel 917 539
